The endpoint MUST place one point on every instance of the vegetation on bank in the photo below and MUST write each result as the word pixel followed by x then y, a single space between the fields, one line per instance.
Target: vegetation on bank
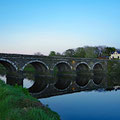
pixel 113 72
pixel 114 68
pixel 17 104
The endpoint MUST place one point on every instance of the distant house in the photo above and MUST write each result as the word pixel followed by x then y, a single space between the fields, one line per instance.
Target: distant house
pixel 115 55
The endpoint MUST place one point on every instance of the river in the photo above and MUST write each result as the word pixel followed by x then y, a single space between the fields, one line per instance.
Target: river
pixel 94 105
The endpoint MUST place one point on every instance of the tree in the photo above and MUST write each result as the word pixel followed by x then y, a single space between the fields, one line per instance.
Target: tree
pixel 100 50
pixel 58 54
pixel 90 52
pixel 69 53
pixel 80 52
pixel 38 54
pixel 108 51
pixel 52 53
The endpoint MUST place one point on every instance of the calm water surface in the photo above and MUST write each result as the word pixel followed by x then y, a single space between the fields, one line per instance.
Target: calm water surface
pixel 92 105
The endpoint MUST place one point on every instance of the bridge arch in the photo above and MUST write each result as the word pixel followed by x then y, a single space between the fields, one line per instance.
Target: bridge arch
pixel 82 64
pixel 39 77
pixel 97 65
pixel 9 65
pixel 98 73
pixel 63 62
pixel 10 72
pixel 83 75
pixel 33 62
pixel 62 71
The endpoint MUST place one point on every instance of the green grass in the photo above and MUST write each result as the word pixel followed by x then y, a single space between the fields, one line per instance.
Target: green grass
pixel 17 104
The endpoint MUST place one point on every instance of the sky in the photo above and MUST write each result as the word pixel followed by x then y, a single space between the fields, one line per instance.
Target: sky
pixel 30 26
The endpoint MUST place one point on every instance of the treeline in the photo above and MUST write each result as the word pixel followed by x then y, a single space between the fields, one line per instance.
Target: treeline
pixel 85 52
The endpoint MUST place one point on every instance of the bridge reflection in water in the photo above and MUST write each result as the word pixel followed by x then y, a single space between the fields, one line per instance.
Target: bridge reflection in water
pixel 63 83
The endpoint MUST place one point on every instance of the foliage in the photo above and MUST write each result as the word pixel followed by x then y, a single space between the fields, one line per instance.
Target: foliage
pixel 53 53
pixel 80 52
pixel 17 104
pixel 90 52
pixel 108 51
pixel 69 53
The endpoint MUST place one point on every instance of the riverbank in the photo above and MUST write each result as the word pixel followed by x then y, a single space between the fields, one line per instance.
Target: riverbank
pixel 17 104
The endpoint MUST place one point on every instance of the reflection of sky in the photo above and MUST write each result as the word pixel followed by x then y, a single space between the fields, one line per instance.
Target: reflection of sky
pixel 3 78
pixel 27 83
pixel 86 105
pixel 28 26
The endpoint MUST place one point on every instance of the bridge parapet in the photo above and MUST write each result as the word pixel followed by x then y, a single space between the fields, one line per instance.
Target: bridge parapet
pixel 20 61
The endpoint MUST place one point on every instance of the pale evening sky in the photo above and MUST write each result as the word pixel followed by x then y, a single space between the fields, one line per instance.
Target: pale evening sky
pixel 29 26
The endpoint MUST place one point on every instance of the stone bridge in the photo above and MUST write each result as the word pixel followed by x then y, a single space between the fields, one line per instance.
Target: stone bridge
pixel 64 74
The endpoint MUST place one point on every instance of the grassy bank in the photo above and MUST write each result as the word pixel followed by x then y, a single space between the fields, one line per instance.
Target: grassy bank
pixel 17 104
